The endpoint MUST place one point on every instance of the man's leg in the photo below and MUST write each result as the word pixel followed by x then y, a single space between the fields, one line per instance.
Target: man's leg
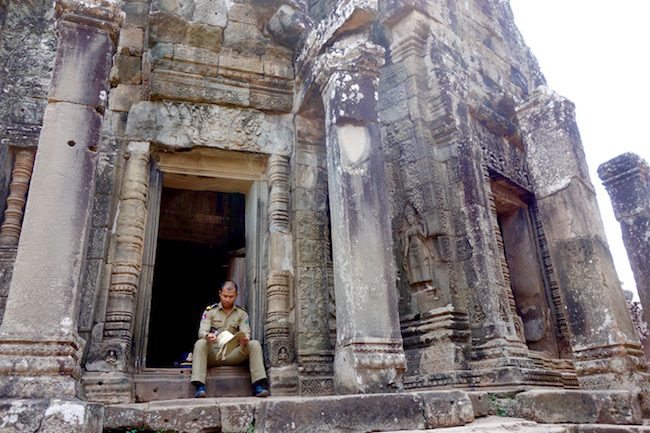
pixel 253 352
pixel 200 360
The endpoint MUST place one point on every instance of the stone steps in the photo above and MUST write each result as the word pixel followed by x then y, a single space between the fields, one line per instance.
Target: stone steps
pixel 174 383
pixel 454 411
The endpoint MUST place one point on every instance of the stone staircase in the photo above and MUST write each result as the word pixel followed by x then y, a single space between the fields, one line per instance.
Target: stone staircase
pixel 453 411
pixel 174 383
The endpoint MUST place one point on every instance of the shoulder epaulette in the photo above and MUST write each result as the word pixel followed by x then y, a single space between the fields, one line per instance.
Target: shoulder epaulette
pixel 241 308
pixel 211 306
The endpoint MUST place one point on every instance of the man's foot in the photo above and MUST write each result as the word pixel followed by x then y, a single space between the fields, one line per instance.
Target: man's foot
pixel 260 391
pixel 200 392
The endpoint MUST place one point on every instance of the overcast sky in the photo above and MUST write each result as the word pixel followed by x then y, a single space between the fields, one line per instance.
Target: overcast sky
pixel 597 54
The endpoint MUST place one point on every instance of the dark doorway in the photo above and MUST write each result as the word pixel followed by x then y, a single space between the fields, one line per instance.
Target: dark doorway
pixel 198 235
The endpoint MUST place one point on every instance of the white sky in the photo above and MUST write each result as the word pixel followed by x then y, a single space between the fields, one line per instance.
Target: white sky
pixel 597 54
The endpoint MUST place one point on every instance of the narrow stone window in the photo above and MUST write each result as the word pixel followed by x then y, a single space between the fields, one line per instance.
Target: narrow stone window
pixel 522 266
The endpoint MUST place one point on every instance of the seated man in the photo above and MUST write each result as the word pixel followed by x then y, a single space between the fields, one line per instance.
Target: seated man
pixel 217 318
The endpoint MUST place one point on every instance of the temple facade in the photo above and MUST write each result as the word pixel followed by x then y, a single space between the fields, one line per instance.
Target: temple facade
pixel 402 200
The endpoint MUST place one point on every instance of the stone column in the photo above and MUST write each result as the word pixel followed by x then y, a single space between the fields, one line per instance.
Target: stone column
pixel 127 262
pixel 627 179
pixel 369 356
pixel 283 373
pixel 605 346
pixel 40 347
pixel 20 177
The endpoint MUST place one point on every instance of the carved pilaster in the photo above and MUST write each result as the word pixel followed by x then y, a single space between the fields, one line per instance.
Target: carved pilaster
pixel 127 264
pixel 369 356
pixel 20 177
pixel 40 349
pixel 283 373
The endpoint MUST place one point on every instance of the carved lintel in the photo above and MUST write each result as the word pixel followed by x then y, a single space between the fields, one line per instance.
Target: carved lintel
pixel 20 177
pixel 125 273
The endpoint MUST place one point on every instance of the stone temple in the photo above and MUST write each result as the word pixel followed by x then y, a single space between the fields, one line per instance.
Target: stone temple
pixel 403 201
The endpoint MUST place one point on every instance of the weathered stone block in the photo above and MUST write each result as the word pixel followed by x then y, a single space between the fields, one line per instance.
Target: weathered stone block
pixel 183 8
pixel 123 96
pixel 122 416
pixel 131 41
pixel 166 27
pixel 182 416
pixel 136 14
pixel 447 408
pixel 79 81
pixel 379 412
pixel 606 407
pixel 211 12
pixel 126 69
pixel 50 416
pixel 204 36
pixel 237 417
pixel 244 37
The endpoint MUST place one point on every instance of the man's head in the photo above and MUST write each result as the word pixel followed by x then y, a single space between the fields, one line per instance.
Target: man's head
pixel 228 294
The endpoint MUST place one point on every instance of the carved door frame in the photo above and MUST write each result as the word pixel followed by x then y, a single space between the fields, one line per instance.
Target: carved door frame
pixel 238 172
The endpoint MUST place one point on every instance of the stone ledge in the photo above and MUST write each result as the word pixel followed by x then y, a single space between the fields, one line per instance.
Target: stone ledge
pixel 333 414
pixel 560 406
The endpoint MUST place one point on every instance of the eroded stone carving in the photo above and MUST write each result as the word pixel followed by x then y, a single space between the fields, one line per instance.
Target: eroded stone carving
pixel 127 263
pixel 20 177
pixel 184 126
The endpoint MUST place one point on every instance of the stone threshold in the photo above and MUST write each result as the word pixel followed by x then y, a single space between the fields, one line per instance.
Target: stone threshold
pixel 568 411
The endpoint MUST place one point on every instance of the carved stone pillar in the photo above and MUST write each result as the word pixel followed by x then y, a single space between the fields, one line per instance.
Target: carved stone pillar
pixel 40 348
pixel 605 346
pixel 627 179
pixel 434 323
pixel 283 372
pixel 20 177
pixel 127 264
pixel 369 356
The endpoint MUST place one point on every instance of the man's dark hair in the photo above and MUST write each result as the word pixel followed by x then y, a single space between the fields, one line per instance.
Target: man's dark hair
pixel 231 282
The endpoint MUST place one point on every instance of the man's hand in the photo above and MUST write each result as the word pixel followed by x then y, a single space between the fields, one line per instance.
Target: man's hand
pixel 211 337
pixel 243 341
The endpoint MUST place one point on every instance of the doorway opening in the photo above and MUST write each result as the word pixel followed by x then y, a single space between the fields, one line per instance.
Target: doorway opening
pixel 522 271
pixel 201 243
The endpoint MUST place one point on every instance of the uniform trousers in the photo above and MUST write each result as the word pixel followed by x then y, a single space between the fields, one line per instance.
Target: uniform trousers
pixel 205 355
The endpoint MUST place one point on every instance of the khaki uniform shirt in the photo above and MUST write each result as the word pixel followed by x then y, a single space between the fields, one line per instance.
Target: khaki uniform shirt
pixel 215 318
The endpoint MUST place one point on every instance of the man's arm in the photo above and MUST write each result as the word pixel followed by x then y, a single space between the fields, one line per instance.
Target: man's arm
pixel 245 327
pixel 204 327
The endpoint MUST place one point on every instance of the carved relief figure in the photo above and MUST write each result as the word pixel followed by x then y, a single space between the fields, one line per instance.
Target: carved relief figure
pixel 418 251
pixel 421 260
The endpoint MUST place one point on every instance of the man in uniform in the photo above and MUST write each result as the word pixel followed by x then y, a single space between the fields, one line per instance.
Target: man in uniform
pixel 217 318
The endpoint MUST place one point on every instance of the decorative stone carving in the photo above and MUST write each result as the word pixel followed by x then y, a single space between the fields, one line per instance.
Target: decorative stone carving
pixel 127 262
pixel 280 345
pixel 20 177
pixel 185 126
